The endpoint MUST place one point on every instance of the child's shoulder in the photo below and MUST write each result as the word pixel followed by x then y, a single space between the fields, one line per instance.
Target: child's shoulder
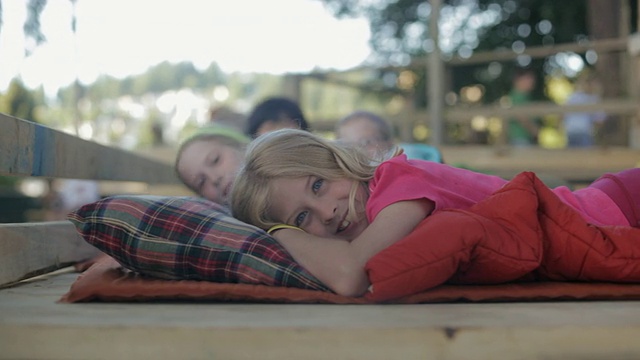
pixel 401 161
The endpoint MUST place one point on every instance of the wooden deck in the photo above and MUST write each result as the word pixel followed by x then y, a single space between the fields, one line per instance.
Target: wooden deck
pixel 34 326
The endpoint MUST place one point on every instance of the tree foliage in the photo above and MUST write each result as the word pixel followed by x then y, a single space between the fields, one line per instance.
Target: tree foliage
pixel 31 26
pixel 400 27
pixel 156 80
pixel 400 33
pixel 20 102
pixel 400 36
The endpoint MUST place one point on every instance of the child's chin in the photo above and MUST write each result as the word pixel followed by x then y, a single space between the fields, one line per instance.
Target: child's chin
pixel 352 233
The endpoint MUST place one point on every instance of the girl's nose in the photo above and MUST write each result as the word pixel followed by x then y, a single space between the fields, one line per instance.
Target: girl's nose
pixel 327 213
pixel 214 178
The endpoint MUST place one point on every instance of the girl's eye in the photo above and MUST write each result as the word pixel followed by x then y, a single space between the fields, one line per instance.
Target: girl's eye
pixel 317 185
pixel 300 218
pixel 214 160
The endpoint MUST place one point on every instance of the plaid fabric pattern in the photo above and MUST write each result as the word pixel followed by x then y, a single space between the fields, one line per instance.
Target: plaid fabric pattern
pixel 187 238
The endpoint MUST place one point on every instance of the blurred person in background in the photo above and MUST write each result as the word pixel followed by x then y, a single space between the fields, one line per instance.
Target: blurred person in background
pixel 275 113
pixel 374 135
pixel 580 127
pixel 522 130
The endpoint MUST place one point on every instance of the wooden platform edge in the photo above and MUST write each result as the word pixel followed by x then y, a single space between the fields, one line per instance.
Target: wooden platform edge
pixel 31 249
pixel 169 342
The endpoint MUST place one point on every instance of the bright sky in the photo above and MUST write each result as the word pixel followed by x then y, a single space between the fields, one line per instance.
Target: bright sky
pixel 123 37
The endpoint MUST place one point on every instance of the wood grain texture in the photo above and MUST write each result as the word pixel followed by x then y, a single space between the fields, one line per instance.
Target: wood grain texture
pixel 30 315
pixel 30 149
pixel 573 165
pixel 34 248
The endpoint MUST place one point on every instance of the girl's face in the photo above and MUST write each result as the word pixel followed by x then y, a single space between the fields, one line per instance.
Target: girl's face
pixel 319 206
pixel 210 167
pixel 364 133
pixel 273 125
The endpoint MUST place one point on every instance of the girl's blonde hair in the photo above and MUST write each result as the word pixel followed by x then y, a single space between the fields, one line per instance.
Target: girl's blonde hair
pixel 292 153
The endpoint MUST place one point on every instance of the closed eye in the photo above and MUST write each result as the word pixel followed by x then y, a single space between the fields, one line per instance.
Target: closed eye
pixel 214 160
pixel 199 183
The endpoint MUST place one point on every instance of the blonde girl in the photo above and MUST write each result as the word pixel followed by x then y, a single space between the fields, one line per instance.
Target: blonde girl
pixel 348 209
pixel 209 159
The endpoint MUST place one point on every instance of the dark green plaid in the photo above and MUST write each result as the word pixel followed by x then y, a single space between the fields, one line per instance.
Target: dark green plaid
pixel 187 238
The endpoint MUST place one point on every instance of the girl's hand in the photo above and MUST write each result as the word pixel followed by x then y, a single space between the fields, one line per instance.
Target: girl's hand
pixel 331 261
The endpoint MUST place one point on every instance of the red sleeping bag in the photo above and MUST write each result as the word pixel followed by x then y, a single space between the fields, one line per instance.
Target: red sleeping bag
pixel 521 232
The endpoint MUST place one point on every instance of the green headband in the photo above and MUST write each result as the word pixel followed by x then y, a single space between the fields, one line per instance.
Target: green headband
pixel 219 130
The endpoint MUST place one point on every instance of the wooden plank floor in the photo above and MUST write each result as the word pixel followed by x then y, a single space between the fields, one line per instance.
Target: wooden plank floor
pixel 34 326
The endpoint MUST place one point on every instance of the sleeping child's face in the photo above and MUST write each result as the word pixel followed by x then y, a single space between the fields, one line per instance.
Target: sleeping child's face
pixel 209 168
pixel 319 206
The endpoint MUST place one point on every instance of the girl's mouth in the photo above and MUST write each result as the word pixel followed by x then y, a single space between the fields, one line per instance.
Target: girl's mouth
pixel 226 190
pixel 343 225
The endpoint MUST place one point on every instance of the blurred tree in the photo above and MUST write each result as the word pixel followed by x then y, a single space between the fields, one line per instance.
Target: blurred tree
pixel 212 76
pixel 20 102
pixel 400 33
pixel 31 26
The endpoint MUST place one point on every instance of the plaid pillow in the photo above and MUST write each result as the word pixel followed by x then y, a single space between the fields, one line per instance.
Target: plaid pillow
pixel 187 238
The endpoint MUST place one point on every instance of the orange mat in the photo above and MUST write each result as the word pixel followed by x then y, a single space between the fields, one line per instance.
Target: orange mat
pixel 105 280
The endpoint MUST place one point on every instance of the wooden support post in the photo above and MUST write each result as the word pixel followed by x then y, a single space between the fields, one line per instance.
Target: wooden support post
pixel 435 73
pixel 633 50
pixel 634 89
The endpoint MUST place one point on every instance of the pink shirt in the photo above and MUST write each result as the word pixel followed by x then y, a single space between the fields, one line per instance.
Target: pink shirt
pixel 401 179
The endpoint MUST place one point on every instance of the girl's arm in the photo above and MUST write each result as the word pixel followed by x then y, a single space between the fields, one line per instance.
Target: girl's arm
pixel 340 264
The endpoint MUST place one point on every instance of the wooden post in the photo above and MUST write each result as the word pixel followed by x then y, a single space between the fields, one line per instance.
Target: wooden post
pixel 629 67
pixel 406 119
pixel 435 73
pixel 634 80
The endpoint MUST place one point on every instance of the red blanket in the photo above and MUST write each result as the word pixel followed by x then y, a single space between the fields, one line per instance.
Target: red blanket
pixel 522 232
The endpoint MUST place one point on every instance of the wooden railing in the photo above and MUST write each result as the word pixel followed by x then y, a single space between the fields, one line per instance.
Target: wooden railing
pixel 628 106
pixel 28 149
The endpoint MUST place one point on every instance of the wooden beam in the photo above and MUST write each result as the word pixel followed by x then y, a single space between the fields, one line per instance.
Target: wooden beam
pixel 537 52
pixel 30 149
pixel 462 115
pixel 501 55
pixel 35 248
pixel 458 114
pixel 572 165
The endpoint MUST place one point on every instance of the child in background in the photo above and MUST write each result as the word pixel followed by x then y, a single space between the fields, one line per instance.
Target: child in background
pixel 580 126
pixel 350 209
pixel 372 133
pixel 273 114
pixel 208 161
pixel 522 130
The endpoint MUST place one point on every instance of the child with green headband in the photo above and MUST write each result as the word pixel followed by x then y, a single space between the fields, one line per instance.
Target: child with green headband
pixel 209 159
